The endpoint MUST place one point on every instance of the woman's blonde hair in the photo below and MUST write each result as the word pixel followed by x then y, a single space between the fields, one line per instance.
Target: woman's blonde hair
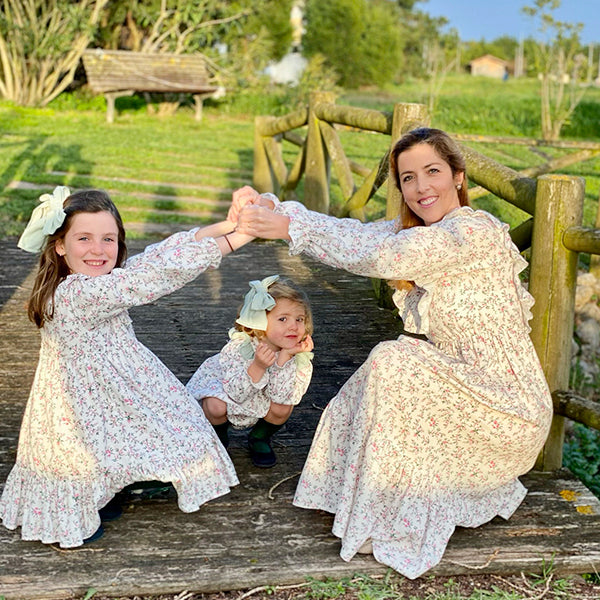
pixel 52 268
pixel 449 151
pixel 283 289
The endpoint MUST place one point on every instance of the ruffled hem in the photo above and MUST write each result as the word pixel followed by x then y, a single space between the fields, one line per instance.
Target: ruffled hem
pixel 66 511
pixel 414 549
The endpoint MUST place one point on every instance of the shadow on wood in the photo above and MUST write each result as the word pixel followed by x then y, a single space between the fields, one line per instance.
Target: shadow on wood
pixel 254 535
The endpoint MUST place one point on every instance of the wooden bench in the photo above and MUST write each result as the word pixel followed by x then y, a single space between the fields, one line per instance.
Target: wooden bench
pixel 116 73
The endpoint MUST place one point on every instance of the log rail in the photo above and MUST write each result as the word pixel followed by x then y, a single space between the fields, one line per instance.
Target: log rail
pixel 552 228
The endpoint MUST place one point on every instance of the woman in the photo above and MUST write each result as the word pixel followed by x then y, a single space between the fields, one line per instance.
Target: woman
pixel 426 435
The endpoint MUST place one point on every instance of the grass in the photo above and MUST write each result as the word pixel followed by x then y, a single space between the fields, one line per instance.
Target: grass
pixel 395 587
pixel 152 165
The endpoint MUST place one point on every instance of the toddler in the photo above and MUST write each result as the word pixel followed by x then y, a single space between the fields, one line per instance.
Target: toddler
pixel 263 371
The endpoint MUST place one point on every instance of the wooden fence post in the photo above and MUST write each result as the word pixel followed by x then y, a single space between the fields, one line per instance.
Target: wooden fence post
pixel 553 277
pixel 316 173
pixel 595 259
pixel 406 116
pixel 262 177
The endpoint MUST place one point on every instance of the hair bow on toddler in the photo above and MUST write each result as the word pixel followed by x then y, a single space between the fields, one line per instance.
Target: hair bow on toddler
pixel 45 219
pixel 256 304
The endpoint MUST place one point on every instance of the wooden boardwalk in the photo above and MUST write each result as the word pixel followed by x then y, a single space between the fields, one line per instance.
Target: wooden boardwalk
pixel 254 536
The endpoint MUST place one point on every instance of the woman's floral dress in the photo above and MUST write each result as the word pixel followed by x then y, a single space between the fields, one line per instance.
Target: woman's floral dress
pixel 428 435
pixel 104 411
pixel 225 376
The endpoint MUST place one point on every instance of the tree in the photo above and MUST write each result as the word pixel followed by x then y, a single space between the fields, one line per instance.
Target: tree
pixel 560 66
pixel 252 31
pixel 370 49
pixel 41 43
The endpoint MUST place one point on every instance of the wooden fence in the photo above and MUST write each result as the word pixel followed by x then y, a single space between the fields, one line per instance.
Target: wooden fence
pixel 553 231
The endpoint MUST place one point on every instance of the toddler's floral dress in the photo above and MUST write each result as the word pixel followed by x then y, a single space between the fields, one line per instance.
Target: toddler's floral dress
pixel 225 376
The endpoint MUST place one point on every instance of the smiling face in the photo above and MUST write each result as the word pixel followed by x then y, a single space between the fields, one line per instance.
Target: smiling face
pixel 91 244
pixel 427 183
pixel 286 324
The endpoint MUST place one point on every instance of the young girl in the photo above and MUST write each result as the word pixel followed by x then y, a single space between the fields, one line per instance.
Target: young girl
pixel 104 411
pixel 263 372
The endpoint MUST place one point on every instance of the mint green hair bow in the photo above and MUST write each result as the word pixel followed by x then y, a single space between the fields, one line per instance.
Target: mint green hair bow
pixel 256 304
pixel 45 219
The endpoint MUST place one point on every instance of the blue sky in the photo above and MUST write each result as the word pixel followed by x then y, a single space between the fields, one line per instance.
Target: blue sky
pixel 489 19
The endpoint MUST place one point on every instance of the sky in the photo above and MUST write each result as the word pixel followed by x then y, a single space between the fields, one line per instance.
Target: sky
pixel 490 19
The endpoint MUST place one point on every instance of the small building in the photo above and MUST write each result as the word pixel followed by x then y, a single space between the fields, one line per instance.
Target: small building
pixel 489 66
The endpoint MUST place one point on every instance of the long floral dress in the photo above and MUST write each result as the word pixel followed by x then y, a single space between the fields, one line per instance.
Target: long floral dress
pixel 428 435
pixel 104 411
pixel 225 376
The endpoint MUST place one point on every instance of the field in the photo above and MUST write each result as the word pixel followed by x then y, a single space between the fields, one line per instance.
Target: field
pixel 166 170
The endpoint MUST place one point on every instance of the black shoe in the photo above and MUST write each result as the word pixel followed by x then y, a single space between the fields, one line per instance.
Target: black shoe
pixel 95 536
pixel 113 510
pixel 261 453
pixel 149 490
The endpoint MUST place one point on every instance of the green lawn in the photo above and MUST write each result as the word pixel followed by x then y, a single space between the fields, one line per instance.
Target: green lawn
pixel 174 169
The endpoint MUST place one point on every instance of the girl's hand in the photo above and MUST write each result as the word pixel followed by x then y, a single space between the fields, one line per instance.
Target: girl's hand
pixel 305 345
pixel 239 199
pixel 261 222
pixel 264 356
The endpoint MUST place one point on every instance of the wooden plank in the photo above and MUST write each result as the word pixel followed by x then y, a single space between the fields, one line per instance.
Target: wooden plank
pixel 254 535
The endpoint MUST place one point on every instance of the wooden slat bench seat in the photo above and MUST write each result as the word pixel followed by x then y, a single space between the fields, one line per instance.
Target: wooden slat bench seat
pixel 116 73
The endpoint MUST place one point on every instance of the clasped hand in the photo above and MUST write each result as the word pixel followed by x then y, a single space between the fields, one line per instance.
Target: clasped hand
pixel 253 215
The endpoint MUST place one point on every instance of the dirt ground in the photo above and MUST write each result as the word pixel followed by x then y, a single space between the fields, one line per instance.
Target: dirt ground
pixel 553 587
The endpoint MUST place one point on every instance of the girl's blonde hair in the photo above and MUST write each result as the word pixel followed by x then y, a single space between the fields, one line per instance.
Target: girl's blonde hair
pixel 283 289
pixel 449 151
pixel 52 268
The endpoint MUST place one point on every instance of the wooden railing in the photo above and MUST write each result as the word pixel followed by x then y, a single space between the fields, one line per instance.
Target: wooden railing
pixel 554 231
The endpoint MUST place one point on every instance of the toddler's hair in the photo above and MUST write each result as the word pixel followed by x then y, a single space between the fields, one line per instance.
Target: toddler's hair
pixel 283 288
pixel 53 268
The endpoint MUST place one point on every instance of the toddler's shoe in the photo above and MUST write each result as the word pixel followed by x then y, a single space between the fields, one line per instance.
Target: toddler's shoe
pixel 261 453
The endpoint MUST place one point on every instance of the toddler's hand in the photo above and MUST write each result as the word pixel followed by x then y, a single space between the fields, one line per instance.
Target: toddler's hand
pixel 305 345
pixel 264 356
pixel 239 199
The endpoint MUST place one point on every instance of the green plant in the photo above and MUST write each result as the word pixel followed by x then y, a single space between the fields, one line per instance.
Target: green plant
pixel 361 586
pixel 582 456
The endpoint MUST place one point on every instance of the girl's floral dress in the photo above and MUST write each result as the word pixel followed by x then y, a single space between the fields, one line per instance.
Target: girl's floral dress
pixel 428 435
pixel 225 376
pixel 104 411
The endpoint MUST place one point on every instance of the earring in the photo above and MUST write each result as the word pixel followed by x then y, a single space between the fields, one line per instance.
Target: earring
pixel 459 186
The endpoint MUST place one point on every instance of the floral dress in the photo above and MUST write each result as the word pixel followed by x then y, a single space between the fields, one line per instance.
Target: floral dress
pixel 428 434
pixel 225 376
pixel 104 411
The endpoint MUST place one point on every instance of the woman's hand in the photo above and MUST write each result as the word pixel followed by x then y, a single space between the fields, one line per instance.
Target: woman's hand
pixel 261 222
